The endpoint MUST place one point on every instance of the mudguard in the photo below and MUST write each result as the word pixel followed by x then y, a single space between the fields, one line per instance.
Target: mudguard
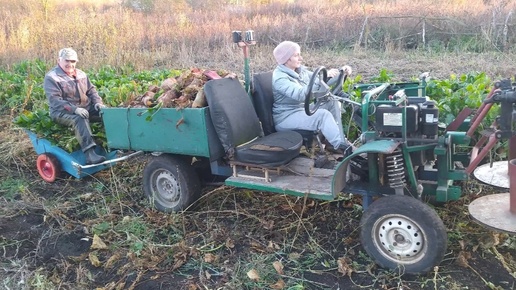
pixel 379 146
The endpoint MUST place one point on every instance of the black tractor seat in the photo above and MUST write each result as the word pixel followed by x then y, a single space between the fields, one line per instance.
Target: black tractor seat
pixel 263 99
pixel 239 129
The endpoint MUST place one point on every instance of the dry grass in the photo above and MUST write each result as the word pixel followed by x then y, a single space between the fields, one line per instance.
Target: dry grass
pixel 179 35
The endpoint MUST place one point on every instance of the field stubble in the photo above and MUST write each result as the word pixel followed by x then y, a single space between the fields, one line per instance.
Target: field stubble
pixel 182 34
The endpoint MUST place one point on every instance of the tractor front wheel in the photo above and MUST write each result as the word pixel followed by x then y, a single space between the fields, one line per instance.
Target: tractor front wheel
pixel 170 183
pixel 402 232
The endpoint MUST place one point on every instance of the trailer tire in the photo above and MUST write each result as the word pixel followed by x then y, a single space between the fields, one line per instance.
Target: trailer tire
pixel 401 232
pixel 170 183
pixel 48 167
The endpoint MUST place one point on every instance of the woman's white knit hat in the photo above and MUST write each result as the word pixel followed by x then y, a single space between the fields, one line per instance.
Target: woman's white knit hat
pixel 285 50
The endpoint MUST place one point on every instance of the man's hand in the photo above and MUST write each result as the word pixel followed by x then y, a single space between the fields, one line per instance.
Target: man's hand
pixel 82 112
pixel 99 106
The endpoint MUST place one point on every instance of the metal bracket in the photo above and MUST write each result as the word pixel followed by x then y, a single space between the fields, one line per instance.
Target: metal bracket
pixel 256 170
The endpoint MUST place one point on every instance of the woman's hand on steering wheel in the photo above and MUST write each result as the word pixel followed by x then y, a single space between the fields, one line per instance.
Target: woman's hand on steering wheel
pixel 347 69
pixel 344 72
pixel 332 73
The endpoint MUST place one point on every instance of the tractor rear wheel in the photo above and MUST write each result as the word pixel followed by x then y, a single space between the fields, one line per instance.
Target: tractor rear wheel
pixel 402 232
pixel 48 167
pixel 170 183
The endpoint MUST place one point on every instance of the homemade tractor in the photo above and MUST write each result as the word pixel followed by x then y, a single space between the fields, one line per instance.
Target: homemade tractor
pixel 404 156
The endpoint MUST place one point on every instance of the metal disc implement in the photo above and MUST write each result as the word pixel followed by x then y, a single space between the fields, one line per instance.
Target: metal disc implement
pixel 495 174
pixel 498 211
pixel 492 211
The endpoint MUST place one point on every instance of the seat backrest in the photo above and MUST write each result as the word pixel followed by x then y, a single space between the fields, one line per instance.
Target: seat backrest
pixel 263 100
pixel 232 113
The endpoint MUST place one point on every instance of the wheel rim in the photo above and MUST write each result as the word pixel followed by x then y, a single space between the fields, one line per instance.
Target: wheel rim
pixel 400 239
pixel 47 169
pixel 165 188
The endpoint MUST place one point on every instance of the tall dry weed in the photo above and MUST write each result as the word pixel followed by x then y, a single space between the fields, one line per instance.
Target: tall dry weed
pixel 157 33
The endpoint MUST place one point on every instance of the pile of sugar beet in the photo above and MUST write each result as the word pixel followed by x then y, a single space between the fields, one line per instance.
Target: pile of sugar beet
pixel 184 91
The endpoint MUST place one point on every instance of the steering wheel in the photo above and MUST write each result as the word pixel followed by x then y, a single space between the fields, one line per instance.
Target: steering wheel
pixel 319 95
pixel 338 82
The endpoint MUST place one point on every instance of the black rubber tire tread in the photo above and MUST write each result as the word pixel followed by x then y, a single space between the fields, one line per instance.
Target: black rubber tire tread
pixel 183 172
pixel 426 219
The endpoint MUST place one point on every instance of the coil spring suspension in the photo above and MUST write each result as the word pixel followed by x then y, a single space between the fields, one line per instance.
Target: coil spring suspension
pixel 395 169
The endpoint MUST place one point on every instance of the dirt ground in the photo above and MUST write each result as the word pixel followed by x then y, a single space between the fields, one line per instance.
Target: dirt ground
pixel 47 243
pixel 99 232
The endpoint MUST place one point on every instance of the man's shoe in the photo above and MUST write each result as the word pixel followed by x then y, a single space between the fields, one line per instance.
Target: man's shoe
pixel 92 157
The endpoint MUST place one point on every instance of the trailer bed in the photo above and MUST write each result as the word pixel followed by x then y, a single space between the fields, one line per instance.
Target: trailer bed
pixel 187 131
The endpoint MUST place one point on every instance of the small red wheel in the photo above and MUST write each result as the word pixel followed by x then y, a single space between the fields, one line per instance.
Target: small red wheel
pixel 48 167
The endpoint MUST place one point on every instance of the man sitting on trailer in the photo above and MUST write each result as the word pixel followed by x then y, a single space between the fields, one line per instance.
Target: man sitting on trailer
pixel 73 100
pixel 290 84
